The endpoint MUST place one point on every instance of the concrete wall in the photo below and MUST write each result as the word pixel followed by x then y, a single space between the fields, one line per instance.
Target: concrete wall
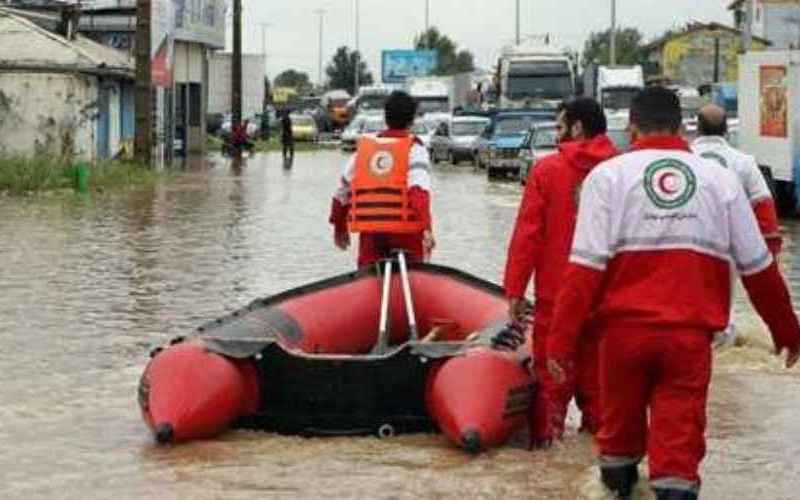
pixel 220 69
pixel 48 114
pixel 191 66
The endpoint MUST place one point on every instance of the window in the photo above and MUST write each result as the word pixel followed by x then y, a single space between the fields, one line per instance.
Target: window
pixel 195 105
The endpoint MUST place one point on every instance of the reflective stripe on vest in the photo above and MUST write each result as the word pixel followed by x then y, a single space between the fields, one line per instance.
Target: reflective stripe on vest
pixel 379 191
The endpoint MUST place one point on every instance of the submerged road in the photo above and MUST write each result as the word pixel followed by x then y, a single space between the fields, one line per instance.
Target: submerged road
pixel 87 288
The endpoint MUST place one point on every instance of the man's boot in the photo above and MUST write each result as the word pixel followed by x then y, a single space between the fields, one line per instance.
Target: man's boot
pixel 671 494
pixel 621 480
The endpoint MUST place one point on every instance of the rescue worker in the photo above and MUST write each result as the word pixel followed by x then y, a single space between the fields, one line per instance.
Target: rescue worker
pixel 540 245
pixel 385 188
pixel 657 230
pixel 712 127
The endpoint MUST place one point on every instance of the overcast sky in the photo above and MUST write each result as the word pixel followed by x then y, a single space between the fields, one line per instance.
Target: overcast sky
pixel 482 26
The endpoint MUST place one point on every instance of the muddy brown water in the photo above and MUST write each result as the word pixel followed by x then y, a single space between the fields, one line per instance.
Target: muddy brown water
pixel 88 286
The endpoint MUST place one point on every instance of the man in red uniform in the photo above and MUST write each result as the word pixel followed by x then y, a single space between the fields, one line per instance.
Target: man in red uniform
pixel 540 245
pixel 658 229
pixel 385 191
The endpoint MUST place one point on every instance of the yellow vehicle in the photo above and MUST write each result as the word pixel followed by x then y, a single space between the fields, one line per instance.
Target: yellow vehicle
pixel 335 102
pixel 281 96
pixel 304 128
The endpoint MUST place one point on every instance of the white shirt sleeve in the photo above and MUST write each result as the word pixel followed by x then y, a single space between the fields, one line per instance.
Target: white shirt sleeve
pixel 419 168
pixel 748 249
pixel 348 173
pixel 755 185
pixel 591 246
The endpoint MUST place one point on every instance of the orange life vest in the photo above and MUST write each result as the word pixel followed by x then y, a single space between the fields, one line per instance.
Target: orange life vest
pixel 379 191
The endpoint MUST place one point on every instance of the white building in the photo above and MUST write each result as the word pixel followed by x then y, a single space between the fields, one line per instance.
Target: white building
pixel 185 34
pixel 775 20
pixel 62 94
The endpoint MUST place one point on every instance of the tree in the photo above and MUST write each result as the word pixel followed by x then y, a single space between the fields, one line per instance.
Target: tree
pixel 297 80
pixel 451 61
pixel 630 49
pixel 341 71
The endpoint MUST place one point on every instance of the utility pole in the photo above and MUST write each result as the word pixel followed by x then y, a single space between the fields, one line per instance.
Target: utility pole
pixel 236 77
pixel 143 143
pixel 716 57
pixel 518 33
pixel 321 13
pixel 613 36
pixel 358 61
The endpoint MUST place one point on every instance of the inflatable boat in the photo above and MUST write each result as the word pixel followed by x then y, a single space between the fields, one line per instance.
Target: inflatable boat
pixel 389 349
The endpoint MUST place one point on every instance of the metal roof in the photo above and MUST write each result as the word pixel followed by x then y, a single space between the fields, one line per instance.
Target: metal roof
pixel 26 46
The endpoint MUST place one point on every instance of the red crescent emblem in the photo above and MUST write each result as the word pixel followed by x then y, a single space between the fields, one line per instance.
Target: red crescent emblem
pixel 662 183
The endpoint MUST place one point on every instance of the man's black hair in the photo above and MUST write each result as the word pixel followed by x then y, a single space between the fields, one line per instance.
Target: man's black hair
pixel 656 109
pixel 706 127
pixel 588 112
pixel 401 109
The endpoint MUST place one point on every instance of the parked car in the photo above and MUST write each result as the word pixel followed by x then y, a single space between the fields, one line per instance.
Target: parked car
pixel 423 132
pixel 456 140
pixel 351 134
pixel 304 128
pixel 500 144
pixel 541 141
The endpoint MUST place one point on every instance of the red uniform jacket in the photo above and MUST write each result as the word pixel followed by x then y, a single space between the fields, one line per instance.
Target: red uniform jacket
pixel 546 221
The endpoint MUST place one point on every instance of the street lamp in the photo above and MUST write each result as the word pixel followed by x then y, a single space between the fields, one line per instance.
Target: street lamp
pixel 321 14
pixel 427 15
pixel 264 27
pixel 613 35
pixel 518 33
pixel 358 60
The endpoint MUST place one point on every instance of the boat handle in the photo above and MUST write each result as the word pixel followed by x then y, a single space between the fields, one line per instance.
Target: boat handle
pixel 412 318
pixel 383 331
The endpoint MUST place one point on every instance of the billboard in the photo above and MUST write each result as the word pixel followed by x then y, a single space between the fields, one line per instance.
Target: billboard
pixel 397 65
pixel 774 102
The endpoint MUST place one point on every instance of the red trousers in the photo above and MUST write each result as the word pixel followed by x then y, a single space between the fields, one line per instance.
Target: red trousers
pixel 552 399
pixel 667 373
pixel 373 247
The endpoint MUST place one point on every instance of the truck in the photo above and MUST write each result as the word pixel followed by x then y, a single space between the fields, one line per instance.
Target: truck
pixel 769 125
pixel 535 77
pixel 432 94
pixel 618 85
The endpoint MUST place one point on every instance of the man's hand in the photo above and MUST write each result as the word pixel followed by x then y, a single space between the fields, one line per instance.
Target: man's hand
pixel 793 356
pixel 342 240
pixel 516 310
pixel 556 371
pixel 428 243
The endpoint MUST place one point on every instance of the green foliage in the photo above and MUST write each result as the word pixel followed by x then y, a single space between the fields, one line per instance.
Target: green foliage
pixel 341 71
pixel 451 60
pixel 21 175
pixel 630 49
pixel 297 80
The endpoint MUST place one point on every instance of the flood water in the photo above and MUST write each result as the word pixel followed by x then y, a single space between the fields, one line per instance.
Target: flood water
pixel 89 286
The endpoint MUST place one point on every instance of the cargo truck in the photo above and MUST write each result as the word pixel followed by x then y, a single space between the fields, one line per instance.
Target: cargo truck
pixel 535 77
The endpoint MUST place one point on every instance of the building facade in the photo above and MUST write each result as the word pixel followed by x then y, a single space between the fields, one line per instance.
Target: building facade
pixel 775 20
pixel 62 94
pixel 184 35
pixel 700 54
